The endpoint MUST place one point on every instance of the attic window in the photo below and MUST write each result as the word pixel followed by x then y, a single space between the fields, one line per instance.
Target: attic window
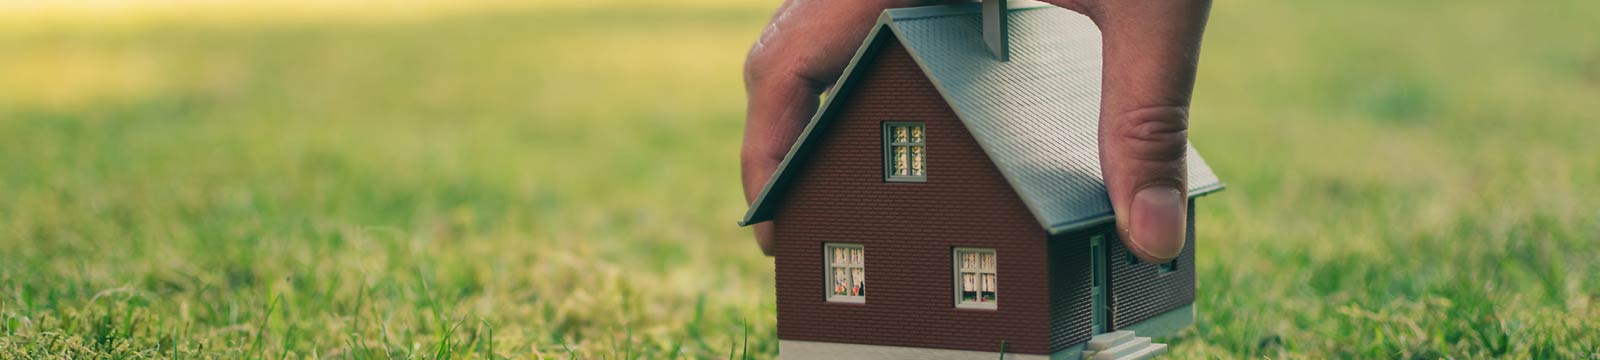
pixel 904 152
pixel 976 279
pixel 847 273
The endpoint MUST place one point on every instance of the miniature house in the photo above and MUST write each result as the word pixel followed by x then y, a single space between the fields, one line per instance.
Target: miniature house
pixel 963 180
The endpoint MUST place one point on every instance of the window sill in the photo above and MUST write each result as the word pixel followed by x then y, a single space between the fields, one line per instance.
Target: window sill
pixel 978 306
pixel 906 180
pixel 847 300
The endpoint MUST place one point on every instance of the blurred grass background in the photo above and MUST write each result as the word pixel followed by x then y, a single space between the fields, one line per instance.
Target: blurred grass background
pixel 1408 179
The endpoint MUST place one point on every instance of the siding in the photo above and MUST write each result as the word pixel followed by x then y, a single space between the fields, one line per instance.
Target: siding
pixel 1139 291
pixel 1071 288
pixel 908 230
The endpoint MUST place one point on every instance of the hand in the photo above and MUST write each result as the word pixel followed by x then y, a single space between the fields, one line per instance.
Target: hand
pixel 800 53
pixel 1150 52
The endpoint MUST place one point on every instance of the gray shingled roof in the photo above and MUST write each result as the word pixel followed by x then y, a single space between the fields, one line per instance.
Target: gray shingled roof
pixel 1036 115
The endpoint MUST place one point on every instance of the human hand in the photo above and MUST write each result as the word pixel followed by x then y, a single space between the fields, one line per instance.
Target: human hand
pixel 1150 50
pixel 802 51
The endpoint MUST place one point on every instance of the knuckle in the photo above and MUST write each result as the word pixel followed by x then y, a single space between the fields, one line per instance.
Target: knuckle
pixel 773 66
pixel 769 70
pixel 758 65
pixel 1159 133
pixel 765 59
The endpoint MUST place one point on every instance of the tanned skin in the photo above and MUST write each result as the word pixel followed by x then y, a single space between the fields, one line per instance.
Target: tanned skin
pixel 1151 49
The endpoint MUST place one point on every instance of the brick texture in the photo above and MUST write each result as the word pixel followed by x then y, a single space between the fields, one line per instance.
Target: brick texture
pixel 908 230
pixel 1071 288
pixel 1140 291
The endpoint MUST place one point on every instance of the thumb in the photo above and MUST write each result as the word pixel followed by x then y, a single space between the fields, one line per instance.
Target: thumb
pixel 1150 53
pixel 1142 156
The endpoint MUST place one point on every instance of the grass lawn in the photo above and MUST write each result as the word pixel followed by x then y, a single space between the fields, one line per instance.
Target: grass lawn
pixel 1408 179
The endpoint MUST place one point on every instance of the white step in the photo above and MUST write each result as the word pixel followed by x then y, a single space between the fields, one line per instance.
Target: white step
pixel 1124 349
pixel 1147 352
pixel 1108 340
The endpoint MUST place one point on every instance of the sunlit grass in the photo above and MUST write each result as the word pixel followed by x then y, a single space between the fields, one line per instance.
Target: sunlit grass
pixel 504 180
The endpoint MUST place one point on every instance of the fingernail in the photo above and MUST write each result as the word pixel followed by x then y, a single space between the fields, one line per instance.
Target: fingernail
pixel 1158 222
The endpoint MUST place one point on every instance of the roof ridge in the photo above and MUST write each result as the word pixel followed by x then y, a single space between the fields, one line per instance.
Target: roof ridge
pixel 935 11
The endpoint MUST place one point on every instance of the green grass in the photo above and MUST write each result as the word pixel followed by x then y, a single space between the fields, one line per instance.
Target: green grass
pixel 1407 180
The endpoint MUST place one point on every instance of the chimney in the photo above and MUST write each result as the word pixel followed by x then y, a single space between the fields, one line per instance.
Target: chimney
pixel 995 29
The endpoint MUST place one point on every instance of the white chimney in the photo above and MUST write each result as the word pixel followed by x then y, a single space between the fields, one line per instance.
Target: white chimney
pixel 995 29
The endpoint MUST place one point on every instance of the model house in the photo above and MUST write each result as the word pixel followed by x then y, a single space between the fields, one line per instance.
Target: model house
pixel 947 201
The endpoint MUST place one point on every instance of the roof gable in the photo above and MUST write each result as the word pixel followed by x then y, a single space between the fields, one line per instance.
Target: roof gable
pixel 1036 116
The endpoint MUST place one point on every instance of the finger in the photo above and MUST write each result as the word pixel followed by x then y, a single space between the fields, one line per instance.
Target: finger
pixel 805 47
pixel 1151 49
pixel 777 111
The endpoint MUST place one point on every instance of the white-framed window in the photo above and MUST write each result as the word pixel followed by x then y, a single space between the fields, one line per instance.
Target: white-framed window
pixel 976 281
pixel 846 272
pixel 904 152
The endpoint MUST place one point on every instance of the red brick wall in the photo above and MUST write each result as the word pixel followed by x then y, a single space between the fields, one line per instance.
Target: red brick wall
pixel 908 229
